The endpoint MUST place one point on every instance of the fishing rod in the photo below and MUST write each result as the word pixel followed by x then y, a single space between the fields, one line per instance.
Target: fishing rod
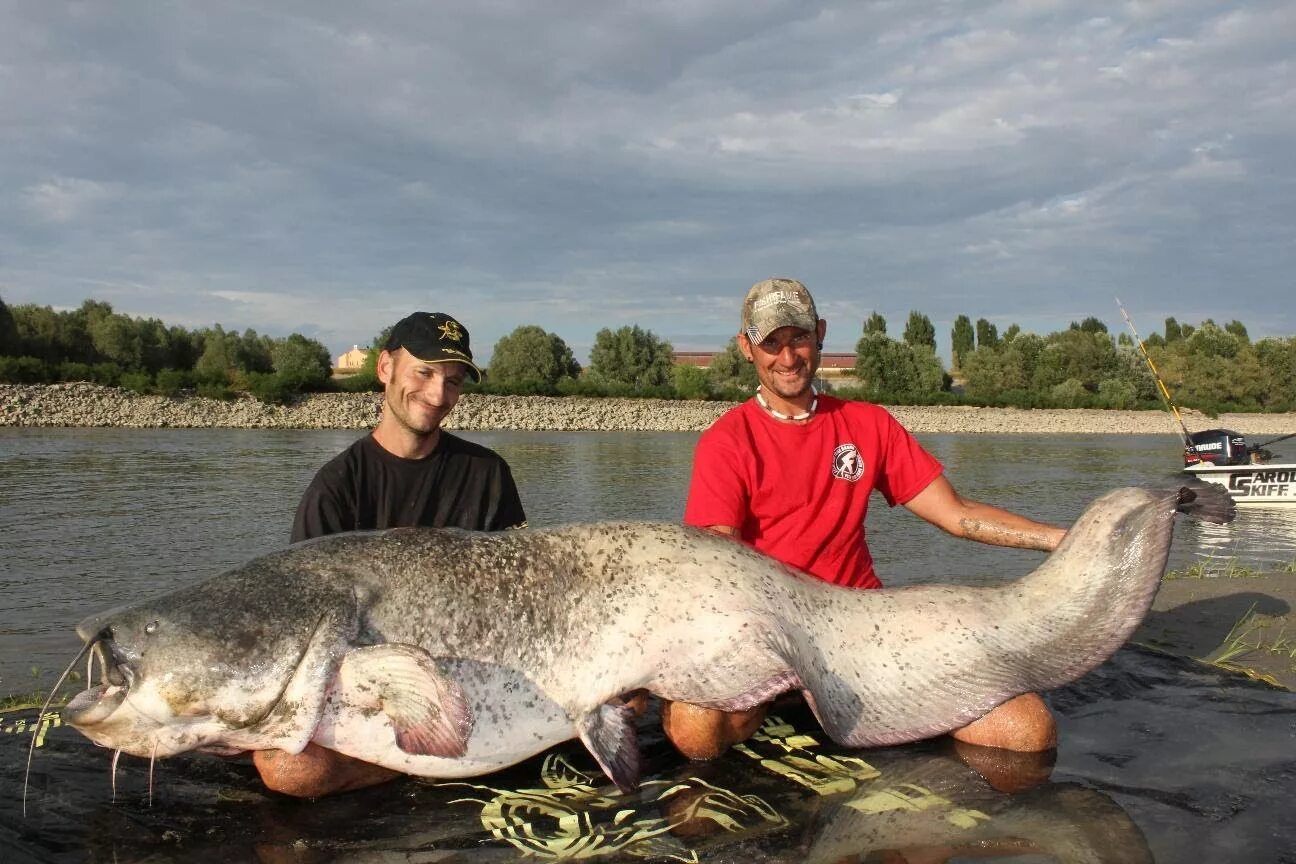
pixel 1165 394
pixel 1274 440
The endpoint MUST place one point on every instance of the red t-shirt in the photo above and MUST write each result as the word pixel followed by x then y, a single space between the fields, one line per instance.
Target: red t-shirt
pixel 800 492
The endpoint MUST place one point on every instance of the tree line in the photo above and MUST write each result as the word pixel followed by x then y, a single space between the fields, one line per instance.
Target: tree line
pixel 93 343
pixel 1209 367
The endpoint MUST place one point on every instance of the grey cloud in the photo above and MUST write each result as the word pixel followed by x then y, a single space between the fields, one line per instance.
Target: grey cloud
pixel 323 166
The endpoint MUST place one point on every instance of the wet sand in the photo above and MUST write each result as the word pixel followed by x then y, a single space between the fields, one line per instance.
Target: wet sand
pixel 1246 624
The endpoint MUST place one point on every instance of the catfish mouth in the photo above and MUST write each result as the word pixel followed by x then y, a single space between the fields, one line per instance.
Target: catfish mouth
pixel 94 705
pixel 98 702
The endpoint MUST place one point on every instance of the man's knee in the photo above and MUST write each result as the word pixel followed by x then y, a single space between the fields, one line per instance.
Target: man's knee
pixel 705 733
pixel 316 771
pixel 1024 724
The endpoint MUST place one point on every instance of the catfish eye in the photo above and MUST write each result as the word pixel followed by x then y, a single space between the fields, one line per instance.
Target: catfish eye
pixel 151 627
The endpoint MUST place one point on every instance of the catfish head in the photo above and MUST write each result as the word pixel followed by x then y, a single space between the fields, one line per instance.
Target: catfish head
pixel 240 662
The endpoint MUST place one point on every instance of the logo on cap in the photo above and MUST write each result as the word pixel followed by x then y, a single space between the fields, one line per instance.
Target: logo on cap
pixel 450 330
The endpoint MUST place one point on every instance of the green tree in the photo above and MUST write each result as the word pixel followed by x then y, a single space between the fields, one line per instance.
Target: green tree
pixel 731 371
pixel 1090 325
pixel 301 363
pixel 989 373
pixel 919 330
pixel 987 334
pixel 1238 329
pixel 875 324
pixel 9 345
pixel 1076 355
pixel 1173 332
pixel 1010 334
pixel 51 336
pixel 1278 358
pixel 1213 341
pixel 252 352
pixel 531 355
pixel 218 360
pixel 962 340
pixel 116 338
pixel 630 356
pixel 887 368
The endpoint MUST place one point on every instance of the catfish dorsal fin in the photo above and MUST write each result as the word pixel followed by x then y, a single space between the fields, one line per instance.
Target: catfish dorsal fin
pixel 609 734
pixel 427 709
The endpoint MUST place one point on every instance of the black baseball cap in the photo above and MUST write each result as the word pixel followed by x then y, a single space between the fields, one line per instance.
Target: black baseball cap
pixel 433 337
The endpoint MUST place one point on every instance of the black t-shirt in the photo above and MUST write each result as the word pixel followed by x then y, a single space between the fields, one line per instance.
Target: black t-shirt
pixel 457 485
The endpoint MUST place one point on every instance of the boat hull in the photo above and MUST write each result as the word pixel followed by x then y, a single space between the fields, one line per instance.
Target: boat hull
pixel 1271 485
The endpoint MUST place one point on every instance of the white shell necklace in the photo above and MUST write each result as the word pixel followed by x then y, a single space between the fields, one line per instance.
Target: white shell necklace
pixel 804 415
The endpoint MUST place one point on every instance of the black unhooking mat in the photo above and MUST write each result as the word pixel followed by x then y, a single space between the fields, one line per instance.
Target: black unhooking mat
pixel 1161 760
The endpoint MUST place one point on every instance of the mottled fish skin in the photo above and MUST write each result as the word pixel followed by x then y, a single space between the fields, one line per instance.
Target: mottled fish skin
pixel 536 631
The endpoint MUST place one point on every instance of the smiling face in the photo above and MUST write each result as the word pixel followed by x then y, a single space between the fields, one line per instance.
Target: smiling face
pixel 418 395
pixel 786 363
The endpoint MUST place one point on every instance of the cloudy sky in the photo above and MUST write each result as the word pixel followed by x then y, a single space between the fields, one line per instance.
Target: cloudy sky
pixel 325 167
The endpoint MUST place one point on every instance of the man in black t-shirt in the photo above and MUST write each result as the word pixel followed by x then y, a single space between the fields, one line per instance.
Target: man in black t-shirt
pixel 408 471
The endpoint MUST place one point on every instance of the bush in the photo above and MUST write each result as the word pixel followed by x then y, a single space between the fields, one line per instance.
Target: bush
pixel 107 374
pixel 1116 393
pixel 136 382
pixel 524 387
pixel 69 370
pixel 1070 394
pixel 270 387
pixel 586 386
pixel 690 382
pixel 214 389
pixel 24 370
pixel 169 382
pixel 361 382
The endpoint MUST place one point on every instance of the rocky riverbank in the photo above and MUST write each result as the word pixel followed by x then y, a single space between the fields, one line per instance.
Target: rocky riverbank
pixel 92 405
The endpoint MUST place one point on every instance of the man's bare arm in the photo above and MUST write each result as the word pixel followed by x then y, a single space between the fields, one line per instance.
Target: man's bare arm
pixel 963 517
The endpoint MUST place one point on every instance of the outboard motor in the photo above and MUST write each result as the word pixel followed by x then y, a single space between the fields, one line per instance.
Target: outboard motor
pixel 1217 447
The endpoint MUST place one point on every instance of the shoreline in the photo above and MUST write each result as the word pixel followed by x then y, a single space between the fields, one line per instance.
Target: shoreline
pixel 1241 624
pixel 83 405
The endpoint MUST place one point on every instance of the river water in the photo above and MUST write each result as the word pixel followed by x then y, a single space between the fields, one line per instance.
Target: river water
pixel 91 518
pixel 1160 760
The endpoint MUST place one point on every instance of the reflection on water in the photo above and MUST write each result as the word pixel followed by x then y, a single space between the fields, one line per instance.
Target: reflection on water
pixel 1266 535
pixel 95 517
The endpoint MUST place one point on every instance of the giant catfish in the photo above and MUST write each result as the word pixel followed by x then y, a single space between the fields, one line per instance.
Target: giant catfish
pixel 445 653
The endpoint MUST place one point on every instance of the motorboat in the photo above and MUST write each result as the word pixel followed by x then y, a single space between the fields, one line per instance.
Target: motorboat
pixel 1249 472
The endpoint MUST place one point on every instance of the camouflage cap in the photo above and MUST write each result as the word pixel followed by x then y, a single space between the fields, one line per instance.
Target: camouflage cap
pixel 776 303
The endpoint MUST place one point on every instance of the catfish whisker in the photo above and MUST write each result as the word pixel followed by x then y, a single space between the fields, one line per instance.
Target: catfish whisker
pixel 116 757
pixel 31 749
pixel 152 765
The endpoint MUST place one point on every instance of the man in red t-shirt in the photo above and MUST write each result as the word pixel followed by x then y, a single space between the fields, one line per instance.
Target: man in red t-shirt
pixel 790 472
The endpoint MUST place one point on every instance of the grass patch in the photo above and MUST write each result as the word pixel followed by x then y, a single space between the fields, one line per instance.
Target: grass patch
pixel 24 701
pixel 36 698
pixel 1248 637
pixel 1223 568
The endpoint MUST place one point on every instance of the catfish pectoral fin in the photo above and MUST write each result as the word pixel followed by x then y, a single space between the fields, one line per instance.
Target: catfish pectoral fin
pixel 609 734
pixel 427 709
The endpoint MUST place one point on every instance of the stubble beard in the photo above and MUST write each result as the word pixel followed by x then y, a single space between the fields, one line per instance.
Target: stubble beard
pixel 405 419
pixel 789 388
